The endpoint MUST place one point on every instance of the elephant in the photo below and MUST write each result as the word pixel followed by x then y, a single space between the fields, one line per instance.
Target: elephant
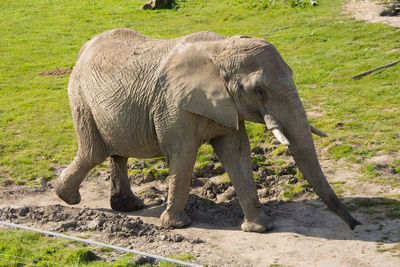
pixel 135 96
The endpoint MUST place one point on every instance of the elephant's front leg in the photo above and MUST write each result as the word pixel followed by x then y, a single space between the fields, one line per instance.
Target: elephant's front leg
pixel 122 198
pixel 233 150
pixel 181 165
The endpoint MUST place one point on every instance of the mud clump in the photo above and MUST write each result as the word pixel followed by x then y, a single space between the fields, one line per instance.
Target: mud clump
pixel 153 195
pixel 211 189
pixel 225 214
pixel 61 219
pixel 58 72
pixel 208 170
pixel 391 11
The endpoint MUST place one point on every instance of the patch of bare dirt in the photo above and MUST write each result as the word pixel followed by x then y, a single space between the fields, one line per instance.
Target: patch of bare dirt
pixel 392 9
pixel 61 219
pixel 58 72
pixel 304 228
pixel 371 11
pixel 305 232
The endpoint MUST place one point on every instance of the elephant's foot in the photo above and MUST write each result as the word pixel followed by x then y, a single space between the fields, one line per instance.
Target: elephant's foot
pixel 171 219
pixel 125 203
pixel 70 195
pixel 259 224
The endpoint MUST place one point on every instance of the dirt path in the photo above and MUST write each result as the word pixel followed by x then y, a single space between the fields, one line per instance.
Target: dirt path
pixel 369 11
pixel 305 234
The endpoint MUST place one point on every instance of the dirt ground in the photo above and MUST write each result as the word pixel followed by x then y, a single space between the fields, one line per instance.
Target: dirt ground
pixel 305 232
pixel 369 11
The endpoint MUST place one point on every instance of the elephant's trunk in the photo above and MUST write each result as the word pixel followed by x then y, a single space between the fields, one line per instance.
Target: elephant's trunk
pixel 297 129
pixel 307 161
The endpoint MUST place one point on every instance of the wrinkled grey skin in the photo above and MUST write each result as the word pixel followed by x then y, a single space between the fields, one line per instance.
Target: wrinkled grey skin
pixel 133 96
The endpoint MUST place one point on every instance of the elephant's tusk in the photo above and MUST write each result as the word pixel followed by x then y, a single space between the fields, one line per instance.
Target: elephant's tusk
pixel 318 131
pixel 272 125
pixel 280 136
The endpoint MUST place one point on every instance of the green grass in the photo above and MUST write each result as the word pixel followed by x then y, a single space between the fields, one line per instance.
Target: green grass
pixel 340 151
pixel 324 49
pixel 338 187
pixel 395 249
pixel 19 248
pixel 382 173
pixel 291 192
pixel 156 174
pixel 183 257
pixel 280 150
pixel 36 249
pixel 390 207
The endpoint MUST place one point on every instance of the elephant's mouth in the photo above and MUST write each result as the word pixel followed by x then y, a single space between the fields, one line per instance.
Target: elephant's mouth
pixel 273 126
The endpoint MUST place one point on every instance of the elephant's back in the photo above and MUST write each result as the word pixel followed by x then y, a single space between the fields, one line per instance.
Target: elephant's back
pixel 112 38
pixel 203 36
pixel 110 75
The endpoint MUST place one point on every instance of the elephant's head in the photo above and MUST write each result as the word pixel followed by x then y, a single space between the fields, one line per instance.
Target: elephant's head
pixel 242 78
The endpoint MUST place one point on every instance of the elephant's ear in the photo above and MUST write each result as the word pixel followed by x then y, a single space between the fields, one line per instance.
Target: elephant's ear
pixel 194 83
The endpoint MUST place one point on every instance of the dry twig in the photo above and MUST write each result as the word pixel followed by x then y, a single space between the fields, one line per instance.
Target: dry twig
pixel 372 70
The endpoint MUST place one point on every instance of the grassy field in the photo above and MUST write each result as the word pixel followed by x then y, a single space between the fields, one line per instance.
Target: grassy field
pixel 323 46
pixel 20 248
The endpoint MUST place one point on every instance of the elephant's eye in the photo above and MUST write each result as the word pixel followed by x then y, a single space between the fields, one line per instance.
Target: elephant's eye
pixel 260 93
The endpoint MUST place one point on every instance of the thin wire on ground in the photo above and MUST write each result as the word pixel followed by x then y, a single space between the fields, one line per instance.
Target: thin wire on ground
pixel 19 262
pixel 2 257
pixel 148 255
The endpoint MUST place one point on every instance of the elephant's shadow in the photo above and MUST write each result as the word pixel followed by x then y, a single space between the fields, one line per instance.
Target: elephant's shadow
pixel 380 217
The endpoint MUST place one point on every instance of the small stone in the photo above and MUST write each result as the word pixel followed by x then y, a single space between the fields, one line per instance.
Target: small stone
pixel 93 224
pixel 275 142
pixel 141 260
pixel 177 238
pixel 23 211
pixel 254 166
pixel 197 241
pixel 155 4
pixel 214 158
pixel 210 165
pixel 257 150
pixel 68 225
pixel 293 180
pixel 147 178
pixel 263 192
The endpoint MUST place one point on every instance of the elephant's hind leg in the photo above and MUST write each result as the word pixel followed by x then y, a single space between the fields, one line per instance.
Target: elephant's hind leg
pixel 67 185
pixel 122 198
pixel 91 152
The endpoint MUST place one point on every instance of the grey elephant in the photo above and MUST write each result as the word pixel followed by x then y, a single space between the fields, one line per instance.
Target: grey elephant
pixel 134 96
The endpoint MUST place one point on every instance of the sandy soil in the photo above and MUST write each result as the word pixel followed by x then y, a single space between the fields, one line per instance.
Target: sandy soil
pixel 305 233
pixel 369 11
